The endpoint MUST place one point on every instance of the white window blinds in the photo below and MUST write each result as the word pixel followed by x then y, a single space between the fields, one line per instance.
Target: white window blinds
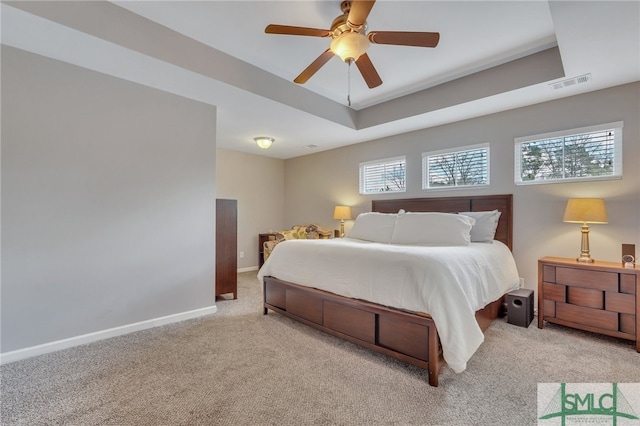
pixel 589 153
pixel 466 166
pixel 387 175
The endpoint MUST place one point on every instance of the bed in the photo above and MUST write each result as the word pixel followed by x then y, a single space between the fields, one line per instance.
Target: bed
pixel 303 280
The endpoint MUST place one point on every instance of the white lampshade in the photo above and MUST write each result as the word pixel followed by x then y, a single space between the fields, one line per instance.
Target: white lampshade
pixel 342 213
pixel 264 142
pixel 585 210
pixel 349 45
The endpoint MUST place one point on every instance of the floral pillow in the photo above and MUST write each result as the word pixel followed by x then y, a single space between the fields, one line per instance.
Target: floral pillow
pixel 304 232
pixel 291 234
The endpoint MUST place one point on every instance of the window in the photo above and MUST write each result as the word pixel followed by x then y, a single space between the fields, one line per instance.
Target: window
pixel 589 153
pixel 386 175
pixel 466 166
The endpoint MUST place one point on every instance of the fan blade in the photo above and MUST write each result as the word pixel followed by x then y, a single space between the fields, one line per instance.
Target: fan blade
pixel 359 11
pixel 404 38
pixel 289 30
pixel 314 67
pixel 368 71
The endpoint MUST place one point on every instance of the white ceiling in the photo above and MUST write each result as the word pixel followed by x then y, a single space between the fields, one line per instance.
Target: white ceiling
pixel 248 74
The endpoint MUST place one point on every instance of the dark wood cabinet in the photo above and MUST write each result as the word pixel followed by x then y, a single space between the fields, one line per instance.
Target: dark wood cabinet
pixel 600 297
pixel 226 247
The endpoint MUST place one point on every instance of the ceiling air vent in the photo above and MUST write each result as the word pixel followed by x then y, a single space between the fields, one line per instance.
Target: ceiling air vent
pixel 570 82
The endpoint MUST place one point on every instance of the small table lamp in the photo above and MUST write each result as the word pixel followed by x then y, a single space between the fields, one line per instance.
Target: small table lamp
pixel 342 213
pixel 585 211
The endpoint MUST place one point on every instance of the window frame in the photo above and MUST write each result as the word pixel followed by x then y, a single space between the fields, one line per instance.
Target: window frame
pixel 381 162
pixel 616 127
pixel 457 150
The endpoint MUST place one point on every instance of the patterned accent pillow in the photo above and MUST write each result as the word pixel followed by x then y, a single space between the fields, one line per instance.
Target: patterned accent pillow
pixel 299 232
pixel 296 233
pixel 302 232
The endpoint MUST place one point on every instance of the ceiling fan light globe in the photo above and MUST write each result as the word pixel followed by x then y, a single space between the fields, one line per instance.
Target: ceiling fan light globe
pixel 349 45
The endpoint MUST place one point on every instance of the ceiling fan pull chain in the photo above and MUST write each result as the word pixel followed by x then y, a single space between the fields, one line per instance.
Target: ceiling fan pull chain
pixel 349 82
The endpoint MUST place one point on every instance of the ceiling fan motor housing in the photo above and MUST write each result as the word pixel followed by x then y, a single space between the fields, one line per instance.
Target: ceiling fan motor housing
pixel 341 25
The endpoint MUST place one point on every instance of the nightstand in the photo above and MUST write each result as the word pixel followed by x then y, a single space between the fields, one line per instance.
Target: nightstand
pixel 261 239
pixel 601 297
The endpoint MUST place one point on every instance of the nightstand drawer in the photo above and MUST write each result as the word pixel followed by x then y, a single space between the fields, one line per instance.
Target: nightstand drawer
pixel 587 316
pixel 618 302
pixel 627 283
pixel 549 273
pixel 555 292
pixel 628 324
pixel 598 280
pixel 586 297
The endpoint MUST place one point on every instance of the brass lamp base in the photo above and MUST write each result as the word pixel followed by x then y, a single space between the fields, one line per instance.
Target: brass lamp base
pixel 585 257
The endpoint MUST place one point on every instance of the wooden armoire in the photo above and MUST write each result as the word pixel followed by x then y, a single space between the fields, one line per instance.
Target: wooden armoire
pixel 226 247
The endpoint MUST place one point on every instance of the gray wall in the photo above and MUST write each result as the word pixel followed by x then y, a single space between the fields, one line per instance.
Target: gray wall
pixel 108 194
pixel 257 183
pixel 314 184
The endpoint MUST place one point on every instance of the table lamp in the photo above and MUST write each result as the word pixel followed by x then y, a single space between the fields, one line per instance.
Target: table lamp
pixel 342 213
pixel 585 211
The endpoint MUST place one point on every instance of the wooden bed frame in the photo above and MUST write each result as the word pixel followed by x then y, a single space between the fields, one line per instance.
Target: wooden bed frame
pixel 408 336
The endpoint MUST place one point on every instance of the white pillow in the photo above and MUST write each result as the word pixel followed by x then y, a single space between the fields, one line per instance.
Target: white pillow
pixel 373 226
pixel 432 229
pixel 484 230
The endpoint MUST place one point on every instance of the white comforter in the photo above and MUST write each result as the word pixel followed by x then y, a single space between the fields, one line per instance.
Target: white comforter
pixel 449 283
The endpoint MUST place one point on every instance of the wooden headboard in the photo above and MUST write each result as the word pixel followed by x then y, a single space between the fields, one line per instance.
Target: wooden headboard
pixel 477 203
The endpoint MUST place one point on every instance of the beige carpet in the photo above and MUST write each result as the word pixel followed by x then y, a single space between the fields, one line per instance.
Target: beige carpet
pixel 240 367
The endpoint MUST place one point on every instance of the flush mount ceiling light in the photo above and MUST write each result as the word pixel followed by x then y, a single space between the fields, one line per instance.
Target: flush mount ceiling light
pixel 264 142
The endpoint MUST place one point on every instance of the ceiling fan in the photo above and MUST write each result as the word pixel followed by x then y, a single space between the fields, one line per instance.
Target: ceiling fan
pixel 350 40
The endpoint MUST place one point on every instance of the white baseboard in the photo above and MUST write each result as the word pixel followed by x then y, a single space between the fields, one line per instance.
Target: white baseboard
pixel 58 345
pixel 248 269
